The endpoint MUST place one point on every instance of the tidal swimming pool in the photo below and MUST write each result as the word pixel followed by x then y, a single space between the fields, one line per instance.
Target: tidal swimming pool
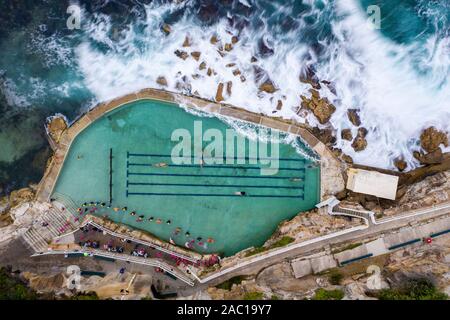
pixel 211 196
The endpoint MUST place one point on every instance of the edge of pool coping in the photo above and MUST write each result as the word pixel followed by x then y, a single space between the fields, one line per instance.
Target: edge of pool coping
pixel 331 169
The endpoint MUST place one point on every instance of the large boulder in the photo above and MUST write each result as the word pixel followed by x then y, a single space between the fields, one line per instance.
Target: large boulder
pixel 320 107
pixel 353 116
pixel 219 93
pixel 431 139
pixel 162 81
pixel 166 28
pixel 181 54
pixel 326 136
pixel 20 196
pixel 400 164
pixel 434 157
pixel 346 134
pixel 268 87
pixel 360 142
pixel 56 126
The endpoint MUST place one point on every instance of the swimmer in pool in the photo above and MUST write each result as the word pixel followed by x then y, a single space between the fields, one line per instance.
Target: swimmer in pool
pixel 240 193
pixel 160 165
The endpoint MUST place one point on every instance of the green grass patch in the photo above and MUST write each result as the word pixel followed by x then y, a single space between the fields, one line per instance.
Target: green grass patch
pixel 413 289
pixel 254 296
pixel 322 294
pixel 13 288
pixel 229 283
pixel 335 277
pixel 284 241
pixel 91 295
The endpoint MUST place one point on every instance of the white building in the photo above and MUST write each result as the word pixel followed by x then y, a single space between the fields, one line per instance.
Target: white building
pixel 372 182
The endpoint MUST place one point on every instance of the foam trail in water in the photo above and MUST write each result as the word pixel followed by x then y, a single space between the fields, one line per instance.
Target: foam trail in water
pixel 377 76
pixel 368 71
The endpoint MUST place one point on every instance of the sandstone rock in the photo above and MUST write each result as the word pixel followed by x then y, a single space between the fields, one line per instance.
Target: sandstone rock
pixel 202 66
pixel 229 87
pixel 431 139
pixel 323 110
pixel 219 93
pixel 166 28
pixel 279 277
pixel 21 196
pixel 355 291
pixel 56 126
pixel 400 164
pixel 339 154
pixel 161 81
pixel 181 54
pixel 268 87
pixel 8 233
pixel 279 105
pixel 187 42
pixel 359 144
pixel 234 39
pixel 324 135
pixel 196 55
pixel 236 72
pixel 42 283
pixel 362 132
pixel 353 116
pixel 229 65
pixel 434 157
pixel 346 134
pixel 253 59
pixel 214 39
pixel 19 214
pixel 228 47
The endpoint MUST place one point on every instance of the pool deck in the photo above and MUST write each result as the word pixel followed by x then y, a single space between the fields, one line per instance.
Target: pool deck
pixel 331 169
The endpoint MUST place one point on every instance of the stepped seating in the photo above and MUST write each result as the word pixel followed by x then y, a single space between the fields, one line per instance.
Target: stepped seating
pixel 58 222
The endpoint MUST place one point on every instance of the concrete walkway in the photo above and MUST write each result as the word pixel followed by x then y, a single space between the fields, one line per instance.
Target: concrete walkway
pixel 253 265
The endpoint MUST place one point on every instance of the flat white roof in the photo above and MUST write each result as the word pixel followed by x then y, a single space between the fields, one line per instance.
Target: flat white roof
pixel 372 182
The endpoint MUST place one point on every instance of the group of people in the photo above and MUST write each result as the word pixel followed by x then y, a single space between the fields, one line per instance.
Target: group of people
pixel 93 207
pixel 139 252
pixel 90 244
pixel 109 246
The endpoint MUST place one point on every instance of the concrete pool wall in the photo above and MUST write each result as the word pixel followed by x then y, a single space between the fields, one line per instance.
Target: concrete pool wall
pixel 331 170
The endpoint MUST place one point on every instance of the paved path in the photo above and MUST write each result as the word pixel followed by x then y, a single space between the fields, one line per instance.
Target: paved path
pixel 254 265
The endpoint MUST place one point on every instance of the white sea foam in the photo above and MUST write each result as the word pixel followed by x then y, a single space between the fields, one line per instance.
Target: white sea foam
pixel 396 101
pixel 368 71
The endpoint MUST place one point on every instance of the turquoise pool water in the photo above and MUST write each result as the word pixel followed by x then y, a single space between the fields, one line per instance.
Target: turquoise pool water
pixel 199 200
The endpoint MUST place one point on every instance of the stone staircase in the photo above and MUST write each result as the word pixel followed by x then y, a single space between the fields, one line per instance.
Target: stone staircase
pixel 350 212
pixel 58 221
pixel 335 210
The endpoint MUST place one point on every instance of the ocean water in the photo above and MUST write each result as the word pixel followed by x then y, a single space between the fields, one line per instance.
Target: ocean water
pixel 398 76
